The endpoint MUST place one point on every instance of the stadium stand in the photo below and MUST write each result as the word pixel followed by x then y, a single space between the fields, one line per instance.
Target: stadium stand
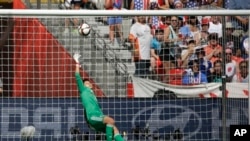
pixel 112 63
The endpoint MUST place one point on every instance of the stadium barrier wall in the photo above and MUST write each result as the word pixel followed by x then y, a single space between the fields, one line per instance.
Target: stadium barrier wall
pixel 53 118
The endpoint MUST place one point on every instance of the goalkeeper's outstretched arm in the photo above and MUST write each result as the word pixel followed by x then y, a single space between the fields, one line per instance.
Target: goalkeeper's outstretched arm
pixel 76 58
pixel 79 82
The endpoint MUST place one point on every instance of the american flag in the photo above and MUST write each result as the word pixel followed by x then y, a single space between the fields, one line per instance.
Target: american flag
pixel 139 4
pixel 155 22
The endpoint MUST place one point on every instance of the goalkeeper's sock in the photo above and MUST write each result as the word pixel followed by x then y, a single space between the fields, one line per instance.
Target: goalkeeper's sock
pixel 118 137
pixel 109 132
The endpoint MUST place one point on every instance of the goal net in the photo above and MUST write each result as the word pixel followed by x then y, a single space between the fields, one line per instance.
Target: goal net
pixel 161 77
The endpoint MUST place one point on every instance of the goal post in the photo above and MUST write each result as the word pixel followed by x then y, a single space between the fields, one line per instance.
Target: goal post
pixel 40 87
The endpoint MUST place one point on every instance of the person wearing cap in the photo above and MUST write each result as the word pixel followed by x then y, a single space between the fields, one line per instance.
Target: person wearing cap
pixel 204 24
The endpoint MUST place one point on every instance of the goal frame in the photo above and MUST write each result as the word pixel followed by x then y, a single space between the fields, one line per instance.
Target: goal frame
pixel 21 12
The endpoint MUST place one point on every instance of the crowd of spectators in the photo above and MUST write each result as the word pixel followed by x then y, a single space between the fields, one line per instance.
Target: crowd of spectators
pixel 188 49
pixel 182 49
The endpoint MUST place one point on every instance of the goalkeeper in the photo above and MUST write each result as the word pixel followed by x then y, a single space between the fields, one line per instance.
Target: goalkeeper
pixel 92 111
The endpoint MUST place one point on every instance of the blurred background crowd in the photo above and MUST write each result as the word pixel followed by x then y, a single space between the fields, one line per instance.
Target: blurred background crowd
pixel 180 49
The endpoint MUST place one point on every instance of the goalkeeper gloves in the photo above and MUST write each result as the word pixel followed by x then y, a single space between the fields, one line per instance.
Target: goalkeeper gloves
pixel 76 57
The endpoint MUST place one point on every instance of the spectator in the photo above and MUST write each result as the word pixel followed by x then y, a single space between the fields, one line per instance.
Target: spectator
pixel 194 29
pixel 76 4
pixel 189 55
pixel 184 30
pixel 140 38
pixel 194 76
pixel 239 22
pixel 115 22
pixel 237 55
pixel 212 2
pixel 244 47
pixel 176 73
pixel 154 20
pixel 215 26
pixel 216 72
pixel 204 24
pixel 156 48
pixel 241 25
pixel 204 38
pixel 239 4
pixel 232 42
pixel 219 3
pixel 204 30
pixel 205 65
pixel 230 65
pixel 171 4
pixel 139 5
pixel 213 49
pixel 169 47
pixel 178 4
pixel 164 21
pixel 163 4
pixel 242 76
pixel 86 4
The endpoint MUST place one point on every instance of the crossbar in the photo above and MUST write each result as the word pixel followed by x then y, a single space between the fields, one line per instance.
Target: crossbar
pixel 21 12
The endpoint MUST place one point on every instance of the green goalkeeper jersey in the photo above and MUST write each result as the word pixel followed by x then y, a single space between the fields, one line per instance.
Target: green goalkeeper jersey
pixel 88 99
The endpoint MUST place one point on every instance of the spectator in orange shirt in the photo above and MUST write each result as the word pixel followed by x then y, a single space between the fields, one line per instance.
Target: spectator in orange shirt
pixel 214 49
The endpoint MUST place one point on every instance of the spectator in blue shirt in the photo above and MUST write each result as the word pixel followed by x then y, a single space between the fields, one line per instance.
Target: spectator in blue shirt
pixel 156 48
pixel 194 76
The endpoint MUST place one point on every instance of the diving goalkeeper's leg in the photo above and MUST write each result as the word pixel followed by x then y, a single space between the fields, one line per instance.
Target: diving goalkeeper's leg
pixel 111 129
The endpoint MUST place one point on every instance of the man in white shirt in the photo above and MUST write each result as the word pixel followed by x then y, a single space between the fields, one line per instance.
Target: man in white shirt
pixel 215 26
pixel 140 38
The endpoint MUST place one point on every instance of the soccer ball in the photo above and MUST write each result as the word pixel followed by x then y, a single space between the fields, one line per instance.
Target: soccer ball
pixel 84 29
pixel 27 132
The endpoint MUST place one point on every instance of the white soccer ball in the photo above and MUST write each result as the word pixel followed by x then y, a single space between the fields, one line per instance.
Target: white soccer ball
pixel 27 132
pixel 84 29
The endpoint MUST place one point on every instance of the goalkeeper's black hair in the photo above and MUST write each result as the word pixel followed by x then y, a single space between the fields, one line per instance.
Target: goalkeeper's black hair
pixel 84 80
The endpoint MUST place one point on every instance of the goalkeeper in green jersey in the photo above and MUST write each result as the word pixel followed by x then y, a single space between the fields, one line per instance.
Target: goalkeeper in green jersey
pixel 92 111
